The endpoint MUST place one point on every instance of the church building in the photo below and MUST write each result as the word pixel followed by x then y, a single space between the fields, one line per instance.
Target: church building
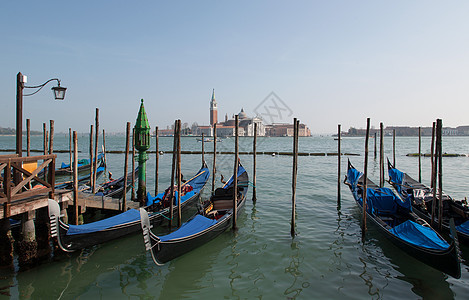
pixel 246 125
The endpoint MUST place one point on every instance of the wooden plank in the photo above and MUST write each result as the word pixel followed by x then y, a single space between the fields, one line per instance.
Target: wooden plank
pixel 27 158
pixel 26 205
pixel 103 202
pixel 18 187
pixel 29 194
pixel 6 156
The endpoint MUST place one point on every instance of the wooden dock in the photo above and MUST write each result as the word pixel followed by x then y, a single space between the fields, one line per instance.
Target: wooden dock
pixel 24 196
pixel 87 200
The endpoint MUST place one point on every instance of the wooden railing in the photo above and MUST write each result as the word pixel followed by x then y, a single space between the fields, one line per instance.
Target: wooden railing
pixel 17 183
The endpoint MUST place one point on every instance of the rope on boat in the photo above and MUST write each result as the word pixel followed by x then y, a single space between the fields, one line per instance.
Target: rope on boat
pixel 251 184
pixel 162 214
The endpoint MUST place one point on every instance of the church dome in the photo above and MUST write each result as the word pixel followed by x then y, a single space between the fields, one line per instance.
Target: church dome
pixel 242 114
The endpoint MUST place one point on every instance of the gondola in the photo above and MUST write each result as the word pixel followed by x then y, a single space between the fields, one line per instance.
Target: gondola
pixel 395 219
pixel 75 237
pixel 421 197
pixel 83 166
pixel 214 217
pixel 83 180
pixel 113 188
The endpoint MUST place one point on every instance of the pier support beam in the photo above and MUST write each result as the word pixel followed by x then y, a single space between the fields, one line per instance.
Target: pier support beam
pixel 6 244
pixel 63 212
pixel 26 247
pixel 43 233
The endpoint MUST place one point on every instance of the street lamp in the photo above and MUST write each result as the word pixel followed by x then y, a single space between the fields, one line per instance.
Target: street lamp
pixel 59 94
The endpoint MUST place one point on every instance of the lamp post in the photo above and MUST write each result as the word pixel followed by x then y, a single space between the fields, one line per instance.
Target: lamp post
pixel 142 144
pixel 59 94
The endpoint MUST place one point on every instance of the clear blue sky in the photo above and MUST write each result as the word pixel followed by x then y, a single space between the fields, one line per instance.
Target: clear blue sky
pixel 331 62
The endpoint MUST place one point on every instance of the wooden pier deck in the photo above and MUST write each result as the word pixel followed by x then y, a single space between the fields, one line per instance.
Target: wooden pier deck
pixel 17 199
pixel 85 200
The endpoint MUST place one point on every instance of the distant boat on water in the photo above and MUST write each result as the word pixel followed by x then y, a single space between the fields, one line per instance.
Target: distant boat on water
pixel 206 140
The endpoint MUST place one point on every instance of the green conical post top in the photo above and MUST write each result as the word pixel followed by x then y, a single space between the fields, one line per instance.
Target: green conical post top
pixel 142 120
pixel 142 130
pixel 142 144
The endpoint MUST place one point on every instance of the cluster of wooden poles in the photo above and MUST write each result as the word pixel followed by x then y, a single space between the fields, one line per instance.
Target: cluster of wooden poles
pixel 176 174
pixel 176 168
pixel 436 165
pixel 176 163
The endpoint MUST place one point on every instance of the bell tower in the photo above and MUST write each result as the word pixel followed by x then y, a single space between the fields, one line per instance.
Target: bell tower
pixel 213 110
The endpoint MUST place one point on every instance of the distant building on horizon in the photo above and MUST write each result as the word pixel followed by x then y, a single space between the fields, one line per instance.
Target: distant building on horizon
pixel 246 125
pixel 409 131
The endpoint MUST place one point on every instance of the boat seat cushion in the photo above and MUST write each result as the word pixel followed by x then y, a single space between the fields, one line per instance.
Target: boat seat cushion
pixel 223 204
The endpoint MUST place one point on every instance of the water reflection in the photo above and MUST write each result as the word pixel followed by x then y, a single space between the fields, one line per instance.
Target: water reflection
pixel 72 275
pixel 294 270
pixel 426 282
pixel 187 274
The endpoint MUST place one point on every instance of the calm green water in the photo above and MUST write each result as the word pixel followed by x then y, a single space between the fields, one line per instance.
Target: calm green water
pixel 326 260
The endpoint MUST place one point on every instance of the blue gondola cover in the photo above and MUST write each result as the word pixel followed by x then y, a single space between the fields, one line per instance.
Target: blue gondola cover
pixel 385 201
pixel 197 224
pixel 81 162
pixel 352 177
pixel 397 177
pixel 197 184
pixel 464 227
pixel 379 201
pixel 241 170
pixel 126 217
pixel 419 235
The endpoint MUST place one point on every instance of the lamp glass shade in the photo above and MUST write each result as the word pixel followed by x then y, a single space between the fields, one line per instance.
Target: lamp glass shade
pixel 59 92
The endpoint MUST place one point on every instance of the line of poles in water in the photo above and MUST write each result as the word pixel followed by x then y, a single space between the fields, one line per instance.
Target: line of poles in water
pixel 436 166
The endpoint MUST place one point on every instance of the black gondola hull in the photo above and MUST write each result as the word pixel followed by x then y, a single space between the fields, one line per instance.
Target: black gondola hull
pixel 79 241
pixel 425 214
pixel 446 261
pixel 166 251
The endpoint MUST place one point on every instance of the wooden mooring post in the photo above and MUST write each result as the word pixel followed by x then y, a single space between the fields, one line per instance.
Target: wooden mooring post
pixel 394 147
pixel 235 174
pixel 28 142
pixel 214 165
pixel 126 167
pixel 43 233
pixel 381 155
pixel 70 152
pixel 173 170
pixel 179 174
pixel 434 168
pixel 439 127
pixel 6 244
pixel 91 155
pixel 51 137
pixel 28 137
pixel 44 138
pixel 339 154
pixel 132 194
pixel 75 177
pixel 26 246
pixel 44 142
pixel 365 176
pixel 104 153
pixel 254 152
pixel 157 160
pixel 420 154
pixel 432 154
pixel 294 176
pixel 95 162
